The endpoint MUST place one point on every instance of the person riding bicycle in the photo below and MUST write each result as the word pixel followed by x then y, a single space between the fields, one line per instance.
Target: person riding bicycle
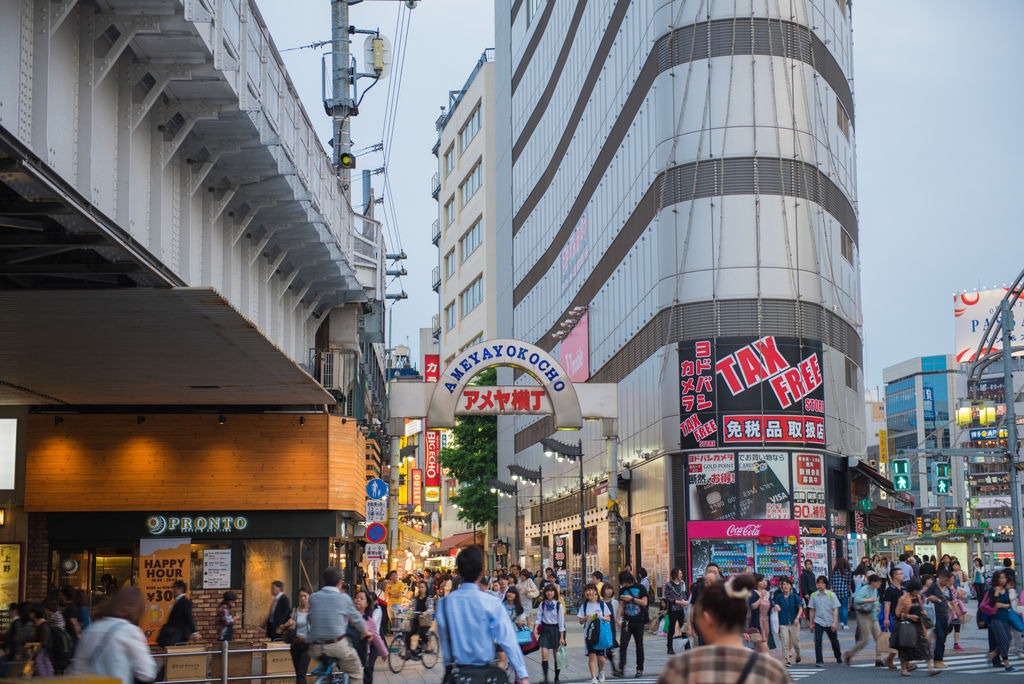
pixel 331 615
pixel 420 605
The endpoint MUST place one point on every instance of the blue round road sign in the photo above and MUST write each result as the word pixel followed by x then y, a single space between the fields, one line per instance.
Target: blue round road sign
pixel 377 488
pixel 375 533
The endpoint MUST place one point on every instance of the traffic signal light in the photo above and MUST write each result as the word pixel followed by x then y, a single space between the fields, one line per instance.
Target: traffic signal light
pixel 942 483
pixel 941 470
pixel 901 474
pixel 347 160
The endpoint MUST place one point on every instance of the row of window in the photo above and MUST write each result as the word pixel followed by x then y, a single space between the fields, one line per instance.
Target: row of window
pixel 467 188
pixel 469 299
pixel 466 135
pixel 468 243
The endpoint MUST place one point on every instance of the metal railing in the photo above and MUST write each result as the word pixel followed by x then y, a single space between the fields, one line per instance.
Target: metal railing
pixel 435 231
pixel 223 652
pixel 435 185
pixel 435 323
pixel 435 278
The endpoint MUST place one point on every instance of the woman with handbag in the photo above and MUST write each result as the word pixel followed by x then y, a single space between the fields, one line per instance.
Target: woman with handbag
pixel 997 606
pixel 550 625
pixel 517 614
pixel 295 632
pixel 759 627
pixel 910 636
pixel 596 616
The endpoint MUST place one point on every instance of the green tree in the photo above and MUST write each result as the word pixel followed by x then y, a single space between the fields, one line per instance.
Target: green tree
pixel 473 460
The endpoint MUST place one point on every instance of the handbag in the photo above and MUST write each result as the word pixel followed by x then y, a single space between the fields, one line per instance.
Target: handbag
pixel 988 606
pixel 1016 621
pixel 905 634
pixel 524 636
pixel 928 616
pixel 561 658
pixel 532 645
pixel 468 674
pixel 605 636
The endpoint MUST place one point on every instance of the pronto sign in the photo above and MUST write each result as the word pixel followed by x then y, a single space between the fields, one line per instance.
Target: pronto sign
pixel 444 402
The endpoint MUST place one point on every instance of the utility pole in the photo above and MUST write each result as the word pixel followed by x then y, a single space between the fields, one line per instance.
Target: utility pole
pixel 583 526
pixel 340 106
pixel 609 428
pixel 1007 322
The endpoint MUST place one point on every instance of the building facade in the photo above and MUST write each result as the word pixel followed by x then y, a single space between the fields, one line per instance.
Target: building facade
pixel 681 196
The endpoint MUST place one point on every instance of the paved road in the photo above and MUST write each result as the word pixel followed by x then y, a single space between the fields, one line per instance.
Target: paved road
pixel 970 662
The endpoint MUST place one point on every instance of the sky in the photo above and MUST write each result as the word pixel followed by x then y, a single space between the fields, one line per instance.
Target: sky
pixel 938 97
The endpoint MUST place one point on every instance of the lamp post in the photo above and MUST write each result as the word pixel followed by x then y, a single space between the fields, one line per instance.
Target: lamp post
pixel 511 491
pixel 559 450
pixel 531 477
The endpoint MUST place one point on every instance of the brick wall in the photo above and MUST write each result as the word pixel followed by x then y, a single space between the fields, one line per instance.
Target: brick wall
pixel 37 551
pixel 204 607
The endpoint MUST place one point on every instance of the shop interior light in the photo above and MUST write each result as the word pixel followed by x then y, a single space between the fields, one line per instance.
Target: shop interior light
pixel 3 516
pixel 221 419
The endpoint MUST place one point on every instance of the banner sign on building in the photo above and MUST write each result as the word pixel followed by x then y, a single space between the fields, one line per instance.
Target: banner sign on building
pixel 574 352
pixel 10 574
pixel 432 367
pixel 973 311
pixel 504 400
pixel 808 487
pixel 432 475
pixel 763 479
pixel 560 553
pixel 742 391
pixel 744 486
pixel 162 562
pixel 417 487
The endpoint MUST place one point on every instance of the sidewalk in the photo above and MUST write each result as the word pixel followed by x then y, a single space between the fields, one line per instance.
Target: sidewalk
pixel 972 640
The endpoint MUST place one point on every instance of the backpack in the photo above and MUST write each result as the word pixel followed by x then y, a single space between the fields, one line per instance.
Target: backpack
pixel 61 648
pixel 632 609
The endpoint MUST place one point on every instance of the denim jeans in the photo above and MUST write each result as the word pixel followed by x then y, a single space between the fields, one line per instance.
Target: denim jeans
pixel 818 632
pixel 941 632
pixel 844 612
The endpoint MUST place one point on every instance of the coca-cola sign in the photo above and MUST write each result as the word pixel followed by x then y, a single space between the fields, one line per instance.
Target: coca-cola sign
pixel 750 530
pixel 746 529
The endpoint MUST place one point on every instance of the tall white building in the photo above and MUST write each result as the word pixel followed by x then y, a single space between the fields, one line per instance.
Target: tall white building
pixel 465 189
pixel 684 171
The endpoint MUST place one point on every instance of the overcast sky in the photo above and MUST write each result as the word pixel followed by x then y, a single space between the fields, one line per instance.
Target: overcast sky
pixel 939 106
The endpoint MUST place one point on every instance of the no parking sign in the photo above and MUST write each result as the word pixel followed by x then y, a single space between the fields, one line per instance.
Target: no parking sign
pixel 375 533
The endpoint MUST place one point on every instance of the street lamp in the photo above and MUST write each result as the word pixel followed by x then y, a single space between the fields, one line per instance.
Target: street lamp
pixel 510 491
pixel 530 477
pixel 561 451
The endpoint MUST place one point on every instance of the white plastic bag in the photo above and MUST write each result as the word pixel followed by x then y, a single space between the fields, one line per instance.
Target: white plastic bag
pixel 774 621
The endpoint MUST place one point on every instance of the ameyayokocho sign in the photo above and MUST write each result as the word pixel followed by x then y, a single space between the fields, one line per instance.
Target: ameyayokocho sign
pixel 745 391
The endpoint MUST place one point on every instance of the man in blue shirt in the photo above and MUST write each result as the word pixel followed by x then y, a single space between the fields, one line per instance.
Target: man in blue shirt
pixel 331 613
pixel 470 621
pixel 789 606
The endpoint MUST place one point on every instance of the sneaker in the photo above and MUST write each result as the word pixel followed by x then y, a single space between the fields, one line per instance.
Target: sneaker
pixel 593 680
pixel 600 677
pixel 618 674
pixel 798 660
pixel 957 647
pixel 879 663
pixel 639 674
pixel 788 664
pixel 939 664
pixel 1009 668
pixel 819 664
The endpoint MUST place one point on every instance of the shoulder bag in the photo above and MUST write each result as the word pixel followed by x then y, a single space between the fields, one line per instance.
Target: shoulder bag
pixel 467 674
pixel 988 605
pixel 905 634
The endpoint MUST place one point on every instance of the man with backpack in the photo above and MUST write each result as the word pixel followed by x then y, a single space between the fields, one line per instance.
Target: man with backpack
pixel 823 607
pixel 633 613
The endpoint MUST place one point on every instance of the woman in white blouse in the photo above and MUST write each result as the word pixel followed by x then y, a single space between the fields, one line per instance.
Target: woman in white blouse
pixel 114 645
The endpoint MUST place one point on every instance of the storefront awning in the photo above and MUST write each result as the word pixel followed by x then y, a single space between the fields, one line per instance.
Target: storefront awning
pixel 882 520
pixel 461 540
pixel 882 482
pixel 411 534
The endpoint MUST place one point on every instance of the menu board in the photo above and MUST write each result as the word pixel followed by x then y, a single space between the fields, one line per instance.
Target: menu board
pixel 217 569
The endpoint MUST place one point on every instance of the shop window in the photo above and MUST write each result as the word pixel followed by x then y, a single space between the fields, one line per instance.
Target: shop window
pixel 309 564
pixel 196 574
pixel 266 560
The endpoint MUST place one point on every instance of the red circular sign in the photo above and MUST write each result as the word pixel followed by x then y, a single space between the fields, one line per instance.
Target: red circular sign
pixel 375 532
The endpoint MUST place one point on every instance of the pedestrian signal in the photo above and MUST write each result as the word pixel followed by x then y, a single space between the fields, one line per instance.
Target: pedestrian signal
pixel 901 466
pixel 941 470
pixel 943 486
pixel 902 483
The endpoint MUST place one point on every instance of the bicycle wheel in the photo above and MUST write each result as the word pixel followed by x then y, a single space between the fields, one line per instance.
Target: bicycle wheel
pixel 430 651
pixel 397 654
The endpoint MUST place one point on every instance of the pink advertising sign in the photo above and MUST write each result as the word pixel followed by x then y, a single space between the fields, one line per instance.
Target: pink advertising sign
pixel 743 529
pixel 574 353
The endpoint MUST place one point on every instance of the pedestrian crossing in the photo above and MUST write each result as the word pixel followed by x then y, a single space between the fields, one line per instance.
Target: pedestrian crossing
pixel 975 663
pixel 796 673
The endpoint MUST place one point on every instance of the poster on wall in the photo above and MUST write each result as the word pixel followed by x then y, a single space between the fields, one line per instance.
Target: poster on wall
pixel 574 352
pixel 763 479
pixel 815 549
pixel 10 574
pixel 808 486
pixel 745 391
pixel 216 569
pixel 161 563
pixel 711 482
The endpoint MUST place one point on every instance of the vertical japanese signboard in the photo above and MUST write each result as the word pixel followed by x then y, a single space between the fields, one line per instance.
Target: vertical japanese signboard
pixel 417 487
pixel 560 556
pixel 808 487
pixel 432 474
pixel 10 574
pixel 161 563
pixel 743 391
pixel 431 367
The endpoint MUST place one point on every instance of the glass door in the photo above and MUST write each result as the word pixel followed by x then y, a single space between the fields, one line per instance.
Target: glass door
pixel 70 568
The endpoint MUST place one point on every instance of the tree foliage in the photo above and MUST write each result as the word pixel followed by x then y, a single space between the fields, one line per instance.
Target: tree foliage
pixel 473 460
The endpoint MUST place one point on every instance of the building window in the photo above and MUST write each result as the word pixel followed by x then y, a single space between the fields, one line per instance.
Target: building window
pixel 449 159
pixel 842 120
pixel 449 316
pixel 471 184
pixel 449 264
pixel 471 297
pixel 449 212
pixel 531 10
pixel 470 130
pixel 471 240
pixel 851 374
pixel 478 338
pixel 842 6
pixel 847 245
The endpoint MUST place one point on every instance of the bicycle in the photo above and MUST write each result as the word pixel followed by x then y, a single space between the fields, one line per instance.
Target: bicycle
pixel 427 650
pixel 327 673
